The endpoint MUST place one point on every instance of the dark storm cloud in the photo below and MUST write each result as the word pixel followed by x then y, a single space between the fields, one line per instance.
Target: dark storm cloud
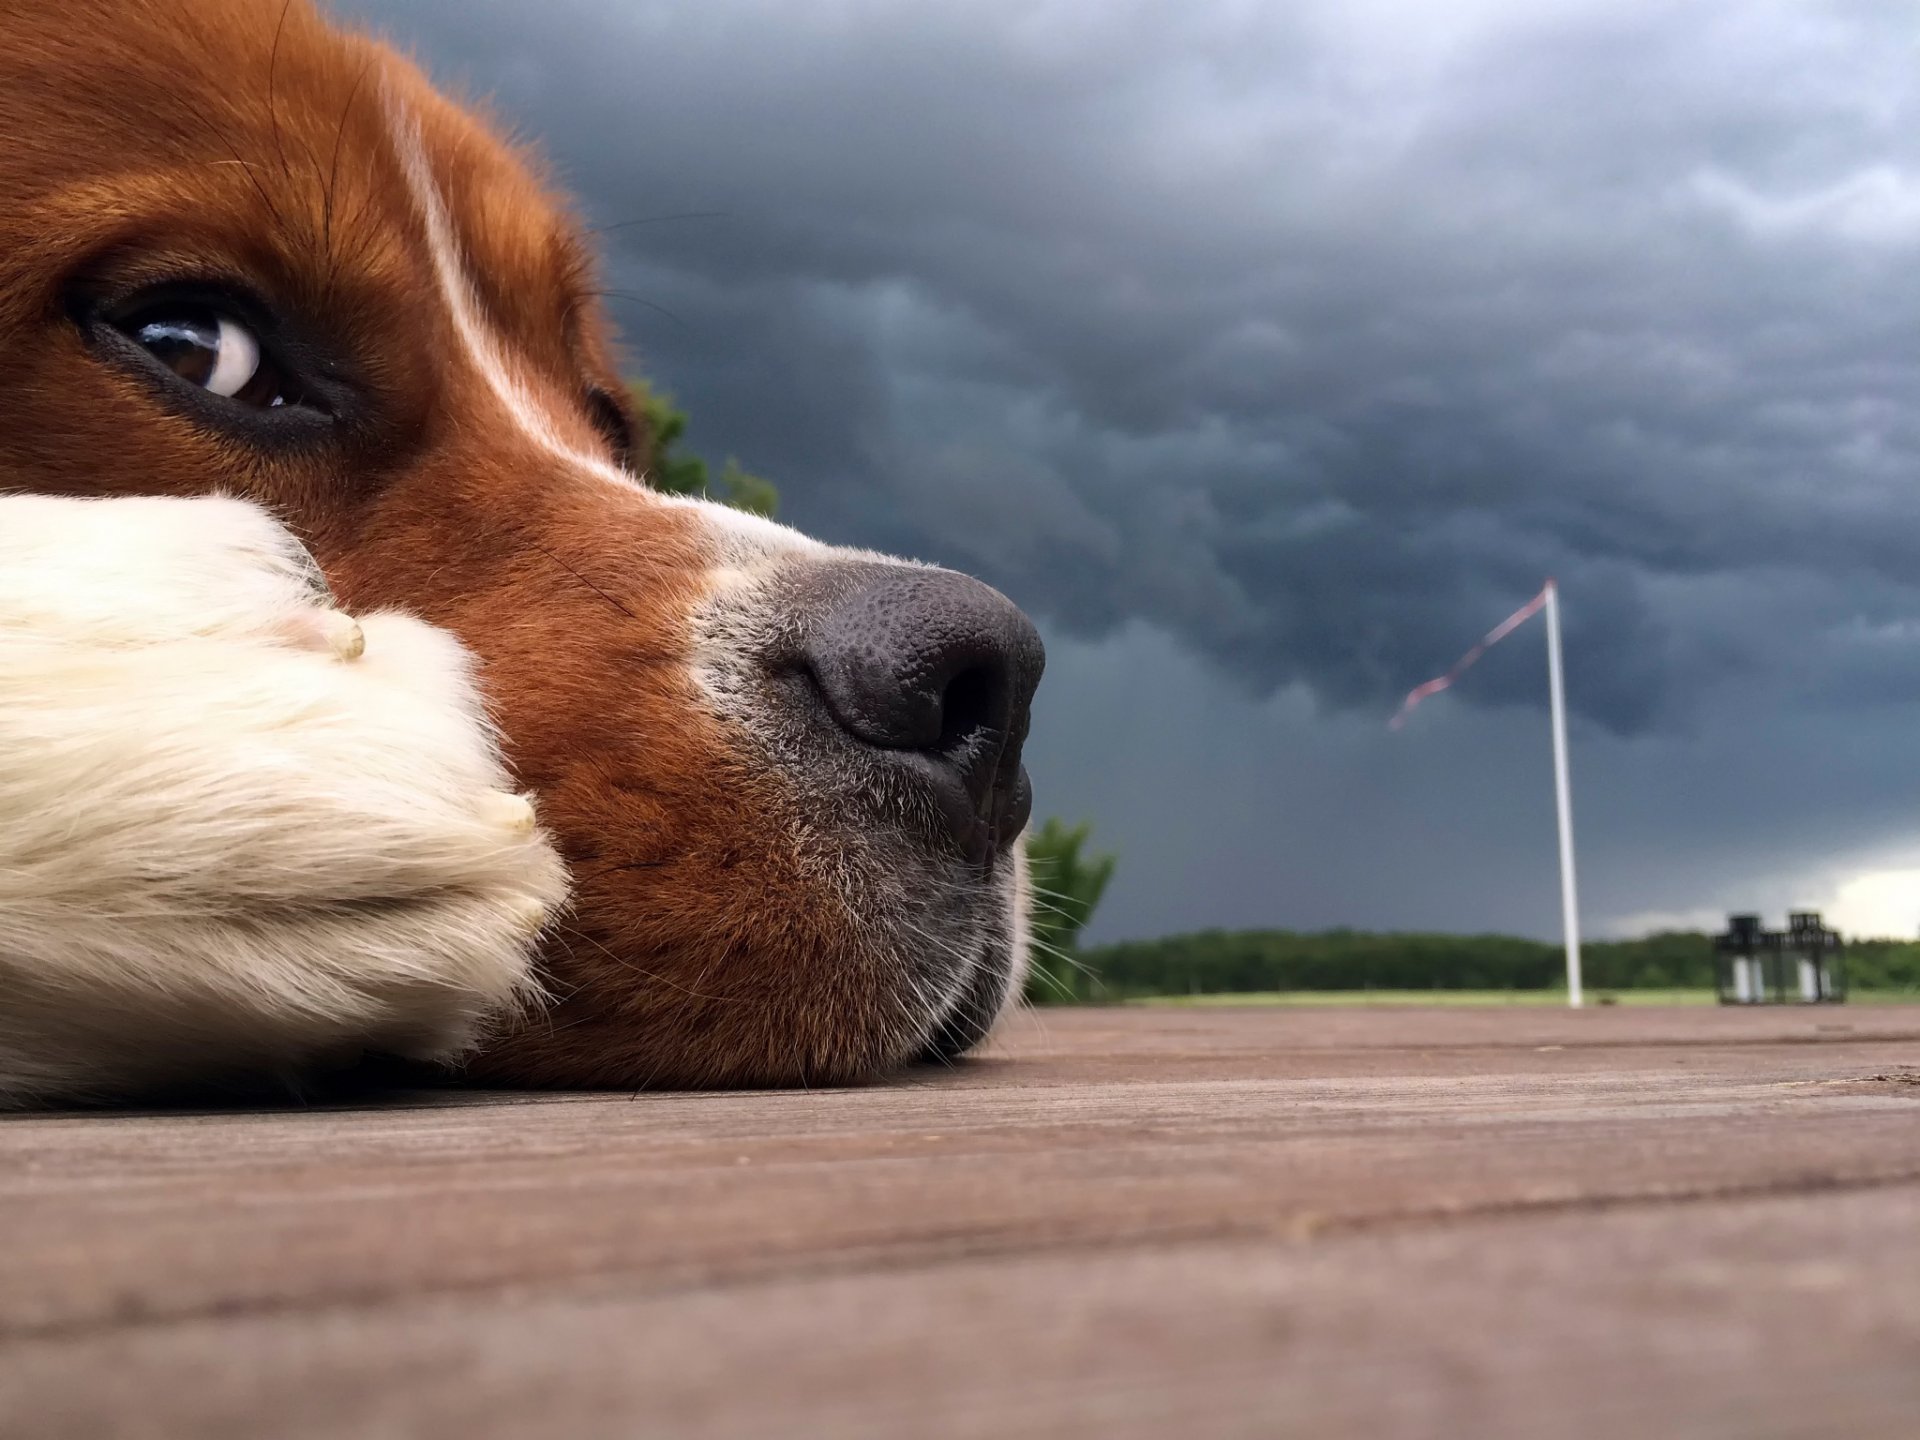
pixel 1315 334
pixel 1272 352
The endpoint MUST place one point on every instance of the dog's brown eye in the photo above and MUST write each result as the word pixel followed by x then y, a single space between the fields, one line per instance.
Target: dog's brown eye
pixel 212 351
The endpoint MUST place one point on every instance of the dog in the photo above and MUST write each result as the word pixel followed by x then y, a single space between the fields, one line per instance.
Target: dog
pixel 356 696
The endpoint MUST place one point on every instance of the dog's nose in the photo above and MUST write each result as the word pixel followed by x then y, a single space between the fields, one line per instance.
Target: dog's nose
pixel 939 669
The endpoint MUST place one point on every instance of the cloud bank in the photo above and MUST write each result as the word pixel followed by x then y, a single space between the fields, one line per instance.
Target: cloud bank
pixel 1287 348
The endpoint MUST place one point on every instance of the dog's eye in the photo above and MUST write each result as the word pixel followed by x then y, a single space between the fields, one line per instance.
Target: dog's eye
pixel 212 351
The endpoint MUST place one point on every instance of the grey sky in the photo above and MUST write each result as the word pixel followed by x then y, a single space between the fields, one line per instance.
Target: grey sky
pixel 1270 353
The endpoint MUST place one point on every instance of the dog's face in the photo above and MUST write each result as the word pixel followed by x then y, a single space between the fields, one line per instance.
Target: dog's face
pixel 242 252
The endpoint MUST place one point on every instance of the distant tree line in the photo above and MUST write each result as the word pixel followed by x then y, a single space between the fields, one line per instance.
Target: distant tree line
pixel 1883 965
pixel 1223 962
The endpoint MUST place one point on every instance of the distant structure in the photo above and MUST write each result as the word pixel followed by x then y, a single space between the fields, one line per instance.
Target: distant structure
pixel 1801 964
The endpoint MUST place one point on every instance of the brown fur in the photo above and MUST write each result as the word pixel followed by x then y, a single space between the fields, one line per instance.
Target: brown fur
pixel 150 139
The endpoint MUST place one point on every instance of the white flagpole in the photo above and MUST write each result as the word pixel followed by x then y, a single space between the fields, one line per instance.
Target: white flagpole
pixel 1563 793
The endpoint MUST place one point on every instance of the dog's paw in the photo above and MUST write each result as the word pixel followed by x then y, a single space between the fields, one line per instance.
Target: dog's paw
pixel 146 568
pixel 240 831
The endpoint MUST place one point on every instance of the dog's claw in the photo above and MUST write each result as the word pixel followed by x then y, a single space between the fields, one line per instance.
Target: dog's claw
pixel 332 630
pixel 343 634
pixel 512 813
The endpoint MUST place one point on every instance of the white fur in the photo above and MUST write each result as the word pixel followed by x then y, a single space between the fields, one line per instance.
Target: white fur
pixel 739 535
pixel 224 848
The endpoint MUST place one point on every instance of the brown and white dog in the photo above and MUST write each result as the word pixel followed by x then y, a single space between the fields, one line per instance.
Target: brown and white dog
pixel 258 281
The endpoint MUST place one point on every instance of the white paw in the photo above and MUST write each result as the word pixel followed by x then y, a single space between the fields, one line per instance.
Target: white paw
pixel 239 830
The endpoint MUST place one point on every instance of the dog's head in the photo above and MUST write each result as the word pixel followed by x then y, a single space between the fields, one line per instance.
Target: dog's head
pixel 243 252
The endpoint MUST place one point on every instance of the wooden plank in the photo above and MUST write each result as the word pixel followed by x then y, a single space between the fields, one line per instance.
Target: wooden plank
pixel 1192 1214
pixel 1777 1318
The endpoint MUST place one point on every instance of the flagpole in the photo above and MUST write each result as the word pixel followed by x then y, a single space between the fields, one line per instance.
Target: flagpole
pixel 1563 794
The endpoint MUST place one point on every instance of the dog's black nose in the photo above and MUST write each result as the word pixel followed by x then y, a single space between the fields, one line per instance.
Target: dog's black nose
pixel 940 669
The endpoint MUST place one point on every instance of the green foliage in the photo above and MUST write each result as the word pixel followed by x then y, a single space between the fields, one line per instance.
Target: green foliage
pixel 668 468
pixel 1067 884
pixel 1226 962
pixel 1216 961
pixel 1883 965
pixel 744 491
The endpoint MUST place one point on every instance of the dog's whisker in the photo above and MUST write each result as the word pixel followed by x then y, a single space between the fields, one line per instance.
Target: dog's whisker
pixel 583 580
pixel 660 220
pixel 572 933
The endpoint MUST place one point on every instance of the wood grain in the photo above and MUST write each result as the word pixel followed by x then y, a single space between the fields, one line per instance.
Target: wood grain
pixel 1485 1223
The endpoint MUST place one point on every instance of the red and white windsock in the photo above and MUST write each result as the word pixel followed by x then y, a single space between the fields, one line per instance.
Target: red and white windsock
pixel 1548 600
pixel 1493 637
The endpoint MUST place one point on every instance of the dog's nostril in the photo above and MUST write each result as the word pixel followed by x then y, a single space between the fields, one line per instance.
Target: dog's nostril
pixel 969 705
pixel 937 664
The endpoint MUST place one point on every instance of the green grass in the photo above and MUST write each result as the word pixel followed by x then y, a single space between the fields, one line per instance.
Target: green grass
pixel 1482 997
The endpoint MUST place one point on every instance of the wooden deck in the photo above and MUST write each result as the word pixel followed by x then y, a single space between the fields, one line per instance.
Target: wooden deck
pixel 1474 1223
